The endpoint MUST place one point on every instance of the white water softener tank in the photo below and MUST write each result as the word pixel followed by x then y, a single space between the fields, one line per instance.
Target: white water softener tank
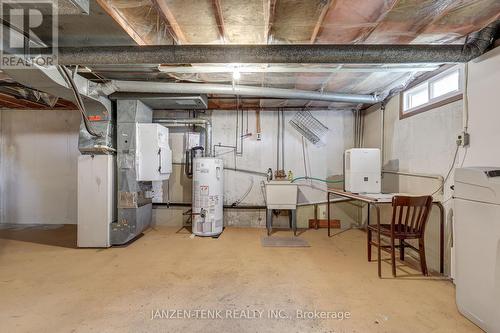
pixel 208 200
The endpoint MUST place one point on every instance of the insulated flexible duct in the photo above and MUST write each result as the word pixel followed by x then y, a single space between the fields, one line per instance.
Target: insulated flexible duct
pixel 475 45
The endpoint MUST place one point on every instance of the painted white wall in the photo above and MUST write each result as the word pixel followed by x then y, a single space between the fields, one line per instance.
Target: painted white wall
pixel 323 162
pixel 260 155
pixel 38 166
pixel 39 151
pixel 425 143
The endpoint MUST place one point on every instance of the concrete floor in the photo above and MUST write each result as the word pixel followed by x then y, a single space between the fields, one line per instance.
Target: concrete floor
pixel 47 285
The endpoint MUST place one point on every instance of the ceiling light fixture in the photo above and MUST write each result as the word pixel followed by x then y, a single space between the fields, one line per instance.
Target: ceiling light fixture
pixel 236 74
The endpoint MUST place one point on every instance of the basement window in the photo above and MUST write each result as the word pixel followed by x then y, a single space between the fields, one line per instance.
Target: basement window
pixel 443 88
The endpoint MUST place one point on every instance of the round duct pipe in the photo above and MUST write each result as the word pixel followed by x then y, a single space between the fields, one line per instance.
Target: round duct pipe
pixel 205 123
pixel 221 89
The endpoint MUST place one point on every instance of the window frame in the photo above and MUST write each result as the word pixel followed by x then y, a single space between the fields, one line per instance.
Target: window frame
pixel 435 102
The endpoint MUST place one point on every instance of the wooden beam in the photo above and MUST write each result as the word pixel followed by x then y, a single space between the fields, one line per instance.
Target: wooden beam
pixel 219 18
pixel 10 105
pixel 323 223
pixel 122 21
pixel 364 36
pixel 172 22
pixel 314 36
pixel 270 19
pixel 64 104
pixel 445 10
pixel 21 103
pixel 321 18
pixel 13 102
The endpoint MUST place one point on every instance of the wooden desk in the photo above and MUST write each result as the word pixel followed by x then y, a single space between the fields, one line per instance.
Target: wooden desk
pixel 372 201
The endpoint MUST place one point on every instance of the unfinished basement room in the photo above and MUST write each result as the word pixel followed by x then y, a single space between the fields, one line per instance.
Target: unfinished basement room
pixel 250 166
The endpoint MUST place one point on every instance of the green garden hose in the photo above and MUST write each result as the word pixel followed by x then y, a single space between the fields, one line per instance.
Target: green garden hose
pixel 318 179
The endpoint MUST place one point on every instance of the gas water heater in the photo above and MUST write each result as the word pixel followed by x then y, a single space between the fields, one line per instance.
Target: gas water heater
pixel 208 201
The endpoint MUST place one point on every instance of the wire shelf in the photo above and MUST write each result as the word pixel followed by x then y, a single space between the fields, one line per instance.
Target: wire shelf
pixel 310 127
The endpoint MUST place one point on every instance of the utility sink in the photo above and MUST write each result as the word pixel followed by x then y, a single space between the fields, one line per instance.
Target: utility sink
pixel 281 194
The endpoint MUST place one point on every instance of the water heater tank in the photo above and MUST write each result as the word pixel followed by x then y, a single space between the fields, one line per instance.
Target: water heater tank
pixel 208 201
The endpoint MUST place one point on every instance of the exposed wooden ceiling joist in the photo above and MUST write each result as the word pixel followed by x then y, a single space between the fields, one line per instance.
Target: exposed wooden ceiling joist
pixel 10 101
pixel 219 18
pixel 270 20
pixel 20 102
pixel 179 35
pixel 122 21
pixel 316 30
pixel 321 18
pixel 443 12
pixel 366 34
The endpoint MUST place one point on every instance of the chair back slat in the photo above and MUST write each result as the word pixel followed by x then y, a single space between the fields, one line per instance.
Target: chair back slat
pixel 394 214
pixel 414 217
pixel 407 216
pixel 421 211
pixel 401 209
pixel 410 214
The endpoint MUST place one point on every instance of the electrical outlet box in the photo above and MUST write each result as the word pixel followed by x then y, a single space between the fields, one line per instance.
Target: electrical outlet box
pixel 463 139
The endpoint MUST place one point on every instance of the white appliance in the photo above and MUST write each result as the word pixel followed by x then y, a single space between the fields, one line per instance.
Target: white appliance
pixel 362 170
pixel 476 245
pixel 154 156
pixel 96 199
pixel 208 200
pixel 281 194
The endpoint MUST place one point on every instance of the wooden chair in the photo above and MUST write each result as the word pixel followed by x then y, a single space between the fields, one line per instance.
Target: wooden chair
pixel 409 217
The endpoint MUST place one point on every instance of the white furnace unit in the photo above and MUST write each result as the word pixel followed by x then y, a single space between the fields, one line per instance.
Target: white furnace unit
pixel 362 170
pixel 208 200
pixel 97 193
pixel 476 245
pixel 96 199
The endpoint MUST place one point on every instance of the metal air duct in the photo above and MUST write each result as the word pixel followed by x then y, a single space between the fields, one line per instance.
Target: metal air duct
pixel 221 89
